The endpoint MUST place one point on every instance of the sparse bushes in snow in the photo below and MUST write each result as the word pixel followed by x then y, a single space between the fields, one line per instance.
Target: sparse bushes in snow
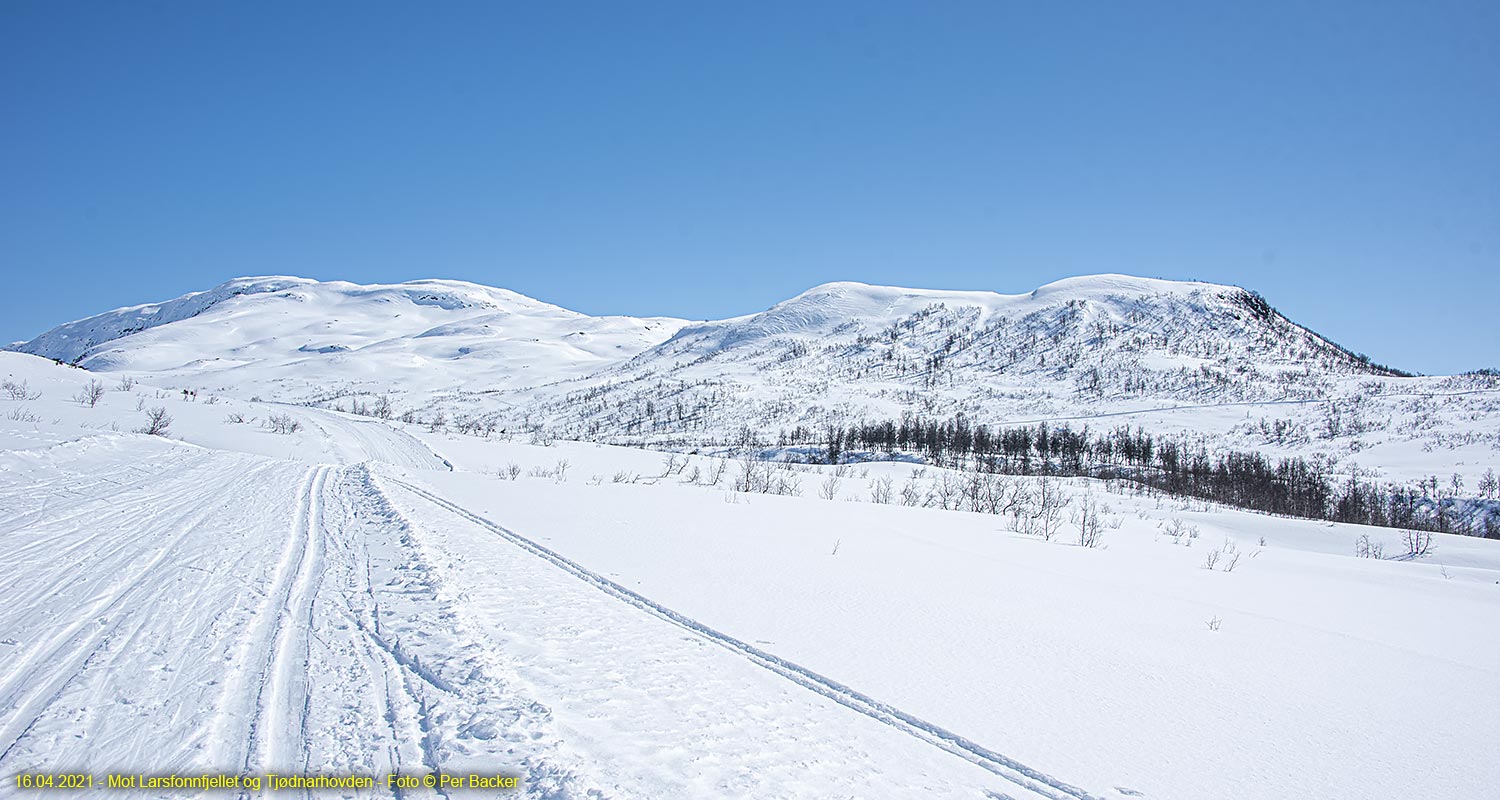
pixel 22 415
pixel 541 438
pixel 673 464
pixel 1365 547
pixel 284 424
pixel 1181 532
pixel 235 418
pixel 1225 558
pixel 761 477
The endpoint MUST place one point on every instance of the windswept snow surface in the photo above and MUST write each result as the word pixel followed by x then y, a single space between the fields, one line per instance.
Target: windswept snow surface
pixel 367 597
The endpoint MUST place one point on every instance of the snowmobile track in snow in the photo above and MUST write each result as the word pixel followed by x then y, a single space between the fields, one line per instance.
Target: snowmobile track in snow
pixel 1001 765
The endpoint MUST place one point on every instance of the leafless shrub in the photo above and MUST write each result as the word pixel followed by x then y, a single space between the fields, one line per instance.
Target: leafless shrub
pixel 90 395
pixel 284 424
pixel 235 418
pixel 22 415
pixel 1365 547
pixel 1227 556
pixel 716 472
pixel 911 491
pixel 1180 531
pixel 158 422
pixel 623 476
pixel 126 384
pixel 512 470
pixel 829 489
pixel 18 391
pixel 881 490
pixel 673 464
pixel 560 470
pixel 1090 526
pixel 1418 543
pixel 1214 623
pixel 1043 514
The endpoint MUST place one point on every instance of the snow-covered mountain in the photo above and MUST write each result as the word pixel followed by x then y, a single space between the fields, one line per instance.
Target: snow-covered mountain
pixel 1212 362
pixel 296 339
pixel 851 350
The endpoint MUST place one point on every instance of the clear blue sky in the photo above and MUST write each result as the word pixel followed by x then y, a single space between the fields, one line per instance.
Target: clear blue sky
pixel 709 159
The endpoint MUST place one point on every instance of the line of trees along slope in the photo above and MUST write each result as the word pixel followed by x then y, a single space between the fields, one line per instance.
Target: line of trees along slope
pixel 1291 486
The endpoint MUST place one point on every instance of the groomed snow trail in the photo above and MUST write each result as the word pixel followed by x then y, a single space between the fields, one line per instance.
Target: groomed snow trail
pixel 174 609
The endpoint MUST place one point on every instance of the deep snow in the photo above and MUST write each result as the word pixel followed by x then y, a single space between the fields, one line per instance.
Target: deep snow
pixel 370 596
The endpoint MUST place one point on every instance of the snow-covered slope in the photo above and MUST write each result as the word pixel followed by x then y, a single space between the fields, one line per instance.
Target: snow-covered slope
pixel 1215 365
pixel 362 597
pixel 295 339
pixel 876 349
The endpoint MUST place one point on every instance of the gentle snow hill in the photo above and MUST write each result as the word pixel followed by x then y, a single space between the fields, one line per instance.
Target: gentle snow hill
pixel 51 411
pixel 293 338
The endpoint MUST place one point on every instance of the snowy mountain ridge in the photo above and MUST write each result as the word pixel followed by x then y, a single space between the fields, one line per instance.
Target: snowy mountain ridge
pixel 1212 361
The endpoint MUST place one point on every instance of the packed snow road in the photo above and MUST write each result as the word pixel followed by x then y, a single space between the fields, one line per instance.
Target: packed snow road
pixel 172 609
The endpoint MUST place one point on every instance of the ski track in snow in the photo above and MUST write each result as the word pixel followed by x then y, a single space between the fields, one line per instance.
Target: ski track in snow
pixel 1026 778
pixel 222 613
pixel 278 732
pixel 177 609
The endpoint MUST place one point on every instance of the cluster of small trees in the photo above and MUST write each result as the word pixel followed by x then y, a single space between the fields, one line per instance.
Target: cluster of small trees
pixel 1286 486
